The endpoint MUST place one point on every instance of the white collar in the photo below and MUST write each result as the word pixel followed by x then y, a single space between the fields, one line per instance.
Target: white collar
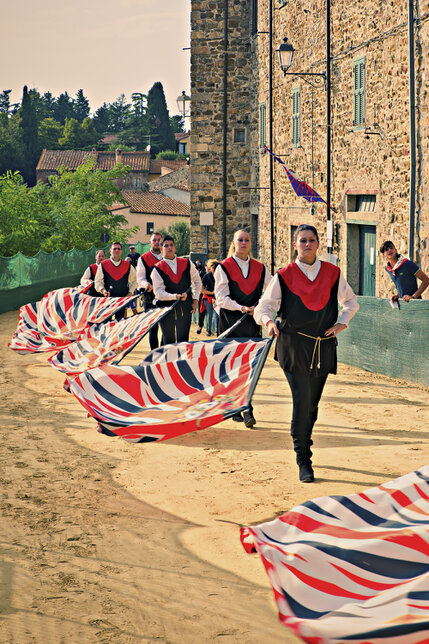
pixel 115 263
pixel 158 256
pixel 308 268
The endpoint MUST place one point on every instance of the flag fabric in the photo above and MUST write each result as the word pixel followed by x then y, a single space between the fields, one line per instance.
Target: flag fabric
pixel 27 337
pixel 301 188
pixel 66 312
pixel 352 569
pixel 103 343
pixel 177 389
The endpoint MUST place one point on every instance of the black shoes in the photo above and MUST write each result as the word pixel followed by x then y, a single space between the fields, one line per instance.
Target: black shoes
pixel 199 330
pixel 306 474
pixel 238 418
pixel 249 419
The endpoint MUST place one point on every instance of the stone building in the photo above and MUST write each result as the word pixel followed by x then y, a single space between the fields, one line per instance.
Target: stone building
pixel 370 128
pixel 223 118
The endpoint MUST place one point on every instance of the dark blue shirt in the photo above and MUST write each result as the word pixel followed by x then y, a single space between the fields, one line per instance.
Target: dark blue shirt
pixel 404 277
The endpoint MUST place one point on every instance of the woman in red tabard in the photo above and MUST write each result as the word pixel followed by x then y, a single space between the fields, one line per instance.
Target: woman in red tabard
pixel 305 295
pixel 239 283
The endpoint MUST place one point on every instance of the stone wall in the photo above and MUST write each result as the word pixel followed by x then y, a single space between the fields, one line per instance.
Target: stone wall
pixel 374 159
pixel 207 69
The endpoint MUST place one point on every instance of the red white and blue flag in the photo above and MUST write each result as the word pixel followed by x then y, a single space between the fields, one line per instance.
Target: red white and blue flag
pixel 177 389
pixel 352 569
pixel 103 343
pixel 301 188
pixel 60 318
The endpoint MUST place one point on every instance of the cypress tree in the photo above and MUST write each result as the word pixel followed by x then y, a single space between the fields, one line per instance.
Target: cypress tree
pixel 162 136
pixel 30 137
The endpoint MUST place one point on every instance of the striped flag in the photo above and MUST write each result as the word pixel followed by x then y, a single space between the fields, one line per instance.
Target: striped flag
pixel 301 188
pixel 66 312
pixel 27 337
pixel 177 389
pixel 103 343
pixel 352 569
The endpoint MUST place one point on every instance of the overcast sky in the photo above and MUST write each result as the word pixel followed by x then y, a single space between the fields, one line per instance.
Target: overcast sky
pixel 105 47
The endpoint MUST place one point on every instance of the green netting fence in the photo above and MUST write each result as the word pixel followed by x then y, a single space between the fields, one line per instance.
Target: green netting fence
pixel 26 279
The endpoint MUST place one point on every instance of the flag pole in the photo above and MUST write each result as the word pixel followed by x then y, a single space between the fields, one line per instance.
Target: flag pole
pixel 234 326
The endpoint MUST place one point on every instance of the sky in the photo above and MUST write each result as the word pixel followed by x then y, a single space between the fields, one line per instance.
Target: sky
pixel 105 47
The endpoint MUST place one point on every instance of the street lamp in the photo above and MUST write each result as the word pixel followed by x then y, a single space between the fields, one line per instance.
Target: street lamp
pixel 285 54
pixel 184 104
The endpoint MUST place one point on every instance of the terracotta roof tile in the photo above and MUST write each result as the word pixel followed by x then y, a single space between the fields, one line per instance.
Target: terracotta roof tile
pixel 180 179
pixel 50 160
pixel 157 164
pixel 179 136
pixel 155 203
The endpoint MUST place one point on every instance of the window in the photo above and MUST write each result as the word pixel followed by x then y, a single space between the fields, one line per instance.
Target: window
pixel 255 234
pixel 262 125
pixel 149 228
pixel 296 117
pixel 359 92
pixel 239 135
pixel 361 203
pixel 182 148
pixel 137 183
pixel 293 252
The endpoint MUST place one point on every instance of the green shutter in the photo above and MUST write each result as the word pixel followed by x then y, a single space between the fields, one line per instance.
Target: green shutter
pixel 262 125
pixel 359 92
pixel 296 117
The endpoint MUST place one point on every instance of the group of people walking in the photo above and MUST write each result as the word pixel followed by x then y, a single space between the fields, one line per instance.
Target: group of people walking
pixel 304 297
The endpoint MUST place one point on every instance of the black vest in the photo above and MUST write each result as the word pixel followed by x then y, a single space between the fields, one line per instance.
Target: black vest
pixel 149 261
pixel 308 309
pixel 178 283
pixel 116 277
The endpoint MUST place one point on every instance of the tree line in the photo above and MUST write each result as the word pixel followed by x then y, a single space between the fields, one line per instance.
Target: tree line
pixel 41 121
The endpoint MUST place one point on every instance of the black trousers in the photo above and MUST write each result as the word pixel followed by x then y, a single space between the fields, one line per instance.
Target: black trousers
pixel 306 393
pixel 153 333
pixel 176 325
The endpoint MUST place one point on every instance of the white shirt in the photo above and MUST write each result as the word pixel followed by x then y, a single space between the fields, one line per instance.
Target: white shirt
pixel 159 286
pixel 99 278
pixel 223 301
pixel 271 299
pixel 86 277
pixel 141 271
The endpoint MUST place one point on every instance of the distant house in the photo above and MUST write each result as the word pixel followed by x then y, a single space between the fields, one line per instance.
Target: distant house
pixel 175 184
pixel 183 142
pixel 150 211
pixel 159 167
pixel 139 163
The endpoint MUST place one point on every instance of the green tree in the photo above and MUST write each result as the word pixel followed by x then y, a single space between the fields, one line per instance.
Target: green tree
pixel 50 131
pixel 119 112
pixel 177 123
pixel 137 131
pixel 162 135
pixel 170 155
pixel 81 106
pixel 181 233
pixel 12 152
pixel 30 137
pixel 63 108
pixel 101 119
pixel 78 135
pixel 5 101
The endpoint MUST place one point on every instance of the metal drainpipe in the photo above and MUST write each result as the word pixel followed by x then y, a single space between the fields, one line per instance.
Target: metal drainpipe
pixel 328 122
pixel 225 106
pixel 412 98
pixel 270 108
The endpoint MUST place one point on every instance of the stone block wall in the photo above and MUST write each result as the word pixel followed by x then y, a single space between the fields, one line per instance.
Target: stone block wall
pixel 207 83
pixel 374 159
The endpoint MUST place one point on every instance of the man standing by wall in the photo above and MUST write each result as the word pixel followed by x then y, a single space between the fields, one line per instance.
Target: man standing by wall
pixel 132 256
pixel 145 265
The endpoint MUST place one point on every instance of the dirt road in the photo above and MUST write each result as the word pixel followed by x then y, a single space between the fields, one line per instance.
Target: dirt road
pixel 104 541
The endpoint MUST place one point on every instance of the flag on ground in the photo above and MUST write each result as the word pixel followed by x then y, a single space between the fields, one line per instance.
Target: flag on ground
pixel 27 337
pixel 352 569
pixel 177 389
pixel 103 343
pixel 301 188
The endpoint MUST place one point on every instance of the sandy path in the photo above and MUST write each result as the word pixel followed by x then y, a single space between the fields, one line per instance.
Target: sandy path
pixel 104 541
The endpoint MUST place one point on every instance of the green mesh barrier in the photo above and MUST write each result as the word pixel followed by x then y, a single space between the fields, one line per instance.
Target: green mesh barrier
pixel 388 341
pixel 26 279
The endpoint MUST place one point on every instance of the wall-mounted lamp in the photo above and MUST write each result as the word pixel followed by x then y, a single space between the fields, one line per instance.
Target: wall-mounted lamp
pixel 285 54
pixel 184 104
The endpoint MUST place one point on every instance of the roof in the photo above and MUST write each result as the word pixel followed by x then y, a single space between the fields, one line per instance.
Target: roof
pixel 142 201
pixel 180 179
pixel 157 164
pixel 51 160
pixel 181 135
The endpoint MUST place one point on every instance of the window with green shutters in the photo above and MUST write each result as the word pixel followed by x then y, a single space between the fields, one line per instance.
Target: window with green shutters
pixel 262 125
pixel 359 92
pixel 296 117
